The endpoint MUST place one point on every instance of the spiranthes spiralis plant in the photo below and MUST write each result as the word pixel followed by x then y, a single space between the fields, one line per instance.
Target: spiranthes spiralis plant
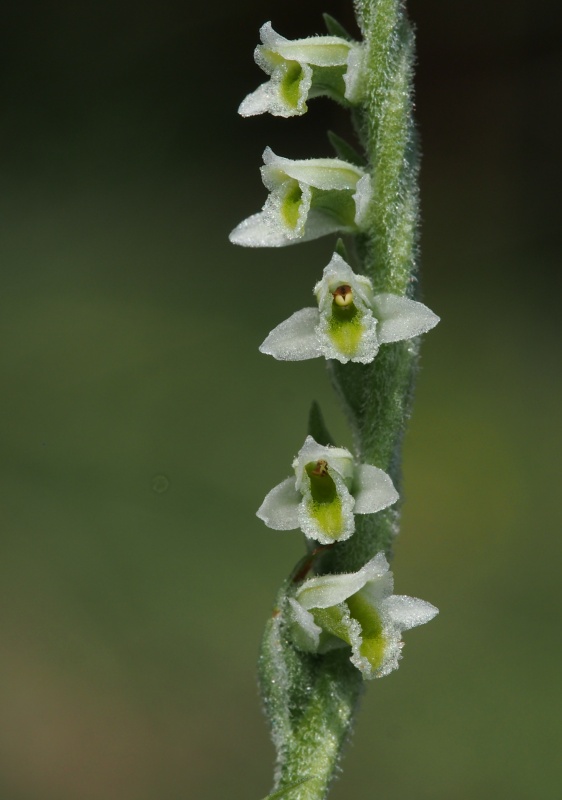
pixel 336 621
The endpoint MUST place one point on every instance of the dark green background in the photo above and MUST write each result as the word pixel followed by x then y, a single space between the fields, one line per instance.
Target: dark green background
pixel 141 428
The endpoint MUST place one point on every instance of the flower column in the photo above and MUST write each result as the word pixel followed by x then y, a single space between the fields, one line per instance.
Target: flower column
pixel 342 624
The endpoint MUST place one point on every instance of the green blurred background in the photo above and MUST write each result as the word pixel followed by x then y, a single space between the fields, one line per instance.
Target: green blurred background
pixel 141 428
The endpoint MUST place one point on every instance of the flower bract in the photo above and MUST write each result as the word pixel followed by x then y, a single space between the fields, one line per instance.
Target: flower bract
pixel 350 323
pixel 357 609
pixel 308 199
pixel 302 69
pixel 327 490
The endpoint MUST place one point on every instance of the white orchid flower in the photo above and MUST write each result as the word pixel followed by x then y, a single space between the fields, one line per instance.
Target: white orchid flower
pixel 350 323
pixel 328 489
pixel 357 609
pixel 302 69
pixel 308 199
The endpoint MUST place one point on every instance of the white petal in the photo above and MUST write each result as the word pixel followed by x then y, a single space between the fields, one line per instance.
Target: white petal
pixel 320 51
pixel 329 590
pixel 321 173
pixel 257 231
pixel 408 612
pixel 304 631
pixel 294 339
pixel 401 318
pixel 280 507
pixel 373 490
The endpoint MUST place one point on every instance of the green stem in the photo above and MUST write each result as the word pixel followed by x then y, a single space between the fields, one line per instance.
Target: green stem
pixel 311 699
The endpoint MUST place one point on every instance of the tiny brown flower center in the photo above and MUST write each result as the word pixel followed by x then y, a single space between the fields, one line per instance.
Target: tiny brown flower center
pixel 343 296
pixel 321 469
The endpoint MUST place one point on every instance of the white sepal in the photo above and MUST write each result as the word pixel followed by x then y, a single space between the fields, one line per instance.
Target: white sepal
pixel 280 508
pixel 409 612
pixel 295 339
pixel 373 490
pixel 330 590
pixel 260 230
pixel 401 318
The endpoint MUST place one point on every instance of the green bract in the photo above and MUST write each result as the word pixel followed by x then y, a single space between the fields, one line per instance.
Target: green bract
pixel 308 198
pixel 302 69
pixel 357 609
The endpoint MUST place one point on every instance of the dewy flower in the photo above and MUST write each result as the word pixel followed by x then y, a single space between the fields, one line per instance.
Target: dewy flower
pixel 303 69
pixel 326 492
pixel 357 609
pixel 350 323
pixel 308 198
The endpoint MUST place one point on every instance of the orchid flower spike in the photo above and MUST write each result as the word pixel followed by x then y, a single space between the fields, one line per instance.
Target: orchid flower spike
pixel 350 323
pixel 303 69
pixel 308 199
pixel 357 609
pixel 327 491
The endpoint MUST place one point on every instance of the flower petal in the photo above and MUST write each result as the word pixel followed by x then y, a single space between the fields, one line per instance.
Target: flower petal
pixel 262 100
pixel 401 318
pixel 280 507
pixel 294 339
pixel 408 612
pixel 330 590
pixel 257 231
pixel 373 490
pixel 321 173
pixel 320 51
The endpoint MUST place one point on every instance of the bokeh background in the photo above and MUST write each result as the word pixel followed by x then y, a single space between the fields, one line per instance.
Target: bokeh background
pixel 140 427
